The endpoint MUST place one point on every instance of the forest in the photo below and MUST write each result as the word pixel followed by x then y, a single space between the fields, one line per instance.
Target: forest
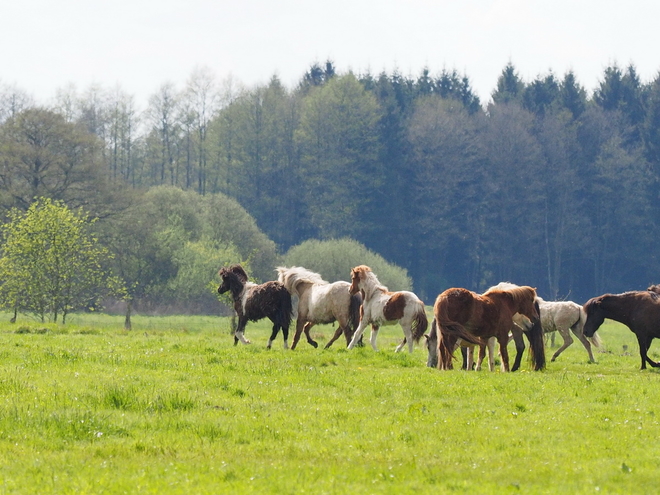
pixel 548 184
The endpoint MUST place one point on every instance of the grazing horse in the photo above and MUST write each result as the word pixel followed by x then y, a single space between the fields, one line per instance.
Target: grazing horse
pixel 382 307
pixel 463 314
pixel 256 301
pixel 321 302
pixel 638 310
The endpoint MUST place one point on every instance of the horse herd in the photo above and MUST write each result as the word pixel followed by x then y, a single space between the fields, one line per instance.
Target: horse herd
pixel 462 318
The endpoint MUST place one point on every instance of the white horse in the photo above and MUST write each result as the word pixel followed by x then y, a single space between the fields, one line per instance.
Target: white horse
pixel 560 316
pixel 566 317
pixel 320 302
pixel 382 307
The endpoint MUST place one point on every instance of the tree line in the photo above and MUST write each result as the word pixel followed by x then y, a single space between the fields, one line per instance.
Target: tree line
pixel 546 184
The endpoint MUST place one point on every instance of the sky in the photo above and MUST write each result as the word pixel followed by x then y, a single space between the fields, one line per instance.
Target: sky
pixel 139 45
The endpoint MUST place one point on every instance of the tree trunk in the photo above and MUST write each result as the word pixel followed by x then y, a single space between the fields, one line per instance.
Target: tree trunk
pixel 127 321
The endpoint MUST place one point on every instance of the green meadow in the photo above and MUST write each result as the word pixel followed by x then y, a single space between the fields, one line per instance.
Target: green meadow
pixel 173 407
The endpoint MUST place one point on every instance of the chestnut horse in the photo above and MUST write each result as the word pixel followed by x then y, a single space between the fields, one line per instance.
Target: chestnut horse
pixel 256 301
pixel 638 310
pixel 382 307
pixel 466 315
pixel 321 302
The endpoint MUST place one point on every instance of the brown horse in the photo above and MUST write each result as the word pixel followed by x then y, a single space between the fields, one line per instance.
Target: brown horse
pixel 638 310
pixel 382 307
pixel 256 301
pixel 474 318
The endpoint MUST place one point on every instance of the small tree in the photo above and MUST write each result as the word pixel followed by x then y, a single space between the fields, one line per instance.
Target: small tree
pixel 50 264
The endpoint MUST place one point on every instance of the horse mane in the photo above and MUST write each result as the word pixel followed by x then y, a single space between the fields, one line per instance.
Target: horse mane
pixel 293 276
pixel 236 270
pixel 369 276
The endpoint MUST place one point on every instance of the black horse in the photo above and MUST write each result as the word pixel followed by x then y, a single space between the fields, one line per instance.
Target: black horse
pixel 256 301
pixel 638 310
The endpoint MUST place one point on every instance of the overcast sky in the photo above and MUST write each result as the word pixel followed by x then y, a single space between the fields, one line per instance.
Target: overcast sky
pixel 139 44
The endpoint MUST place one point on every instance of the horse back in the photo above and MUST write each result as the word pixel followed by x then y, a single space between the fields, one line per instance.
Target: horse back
pixel 326 303
pixel 270 299
pixel 457 305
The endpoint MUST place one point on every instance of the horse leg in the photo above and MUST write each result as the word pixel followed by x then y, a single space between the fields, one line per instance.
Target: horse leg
pixel 568 340
pixel 285 334
pixel 464 357
pixel 482 355
pixel 520 347
pixel 408 338
pixel 585 343
pixel 310 340
pixel 644 346
pixel 491 354
pixel 337 334
pixel 504 353
pixel 273 334
pixel 470 358
pixel 374 335
pixel 300 324
pixel 358 333
pixel 240 330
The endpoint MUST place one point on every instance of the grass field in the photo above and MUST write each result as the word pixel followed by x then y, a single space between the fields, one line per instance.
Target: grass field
pixel 174 407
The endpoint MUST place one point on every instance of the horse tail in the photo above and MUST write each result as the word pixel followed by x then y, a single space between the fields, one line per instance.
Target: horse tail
pixel 286 308
pixel 578 326
pixel 419 324
pixel 536 344
pixel 354 311
pixel 457 330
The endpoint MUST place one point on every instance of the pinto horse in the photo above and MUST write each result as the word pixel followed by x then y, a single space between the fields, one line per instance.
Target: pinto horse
pixel 638 310
pixel 466 315
pixel 256 301
pixel 382 307
pixel 321 302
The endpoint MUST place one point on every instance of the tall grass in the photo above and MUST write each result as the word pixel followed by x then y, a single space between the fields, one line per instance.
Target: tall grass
pixel 174 407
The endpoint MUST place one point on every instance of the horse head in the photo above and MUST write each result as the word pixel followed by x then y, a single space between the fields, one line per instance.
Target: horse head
pixel 358 275
pixel 527 305
pixel 595 316
pixel 233 278
pixel 432 346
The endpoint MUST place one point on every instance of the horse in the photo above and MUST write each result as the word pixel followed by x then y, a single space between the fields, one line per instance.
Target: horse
pixel 463 314
pixel 321 302
pixel 638 310
pixel 382 307
pixel 565 317
pixel 256 301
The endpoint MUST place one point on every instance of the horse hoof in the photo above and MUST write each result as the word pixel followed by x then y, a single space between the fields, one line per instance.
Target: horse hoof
pixel 313 344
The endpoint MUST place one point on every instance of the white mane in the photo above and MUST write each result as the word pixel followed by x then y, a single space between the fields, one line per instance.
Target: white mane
pixel 293 276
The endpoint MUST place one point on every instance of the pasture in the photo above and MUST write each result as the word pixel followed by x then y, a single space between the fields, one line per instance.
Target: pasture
pixel 174 407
